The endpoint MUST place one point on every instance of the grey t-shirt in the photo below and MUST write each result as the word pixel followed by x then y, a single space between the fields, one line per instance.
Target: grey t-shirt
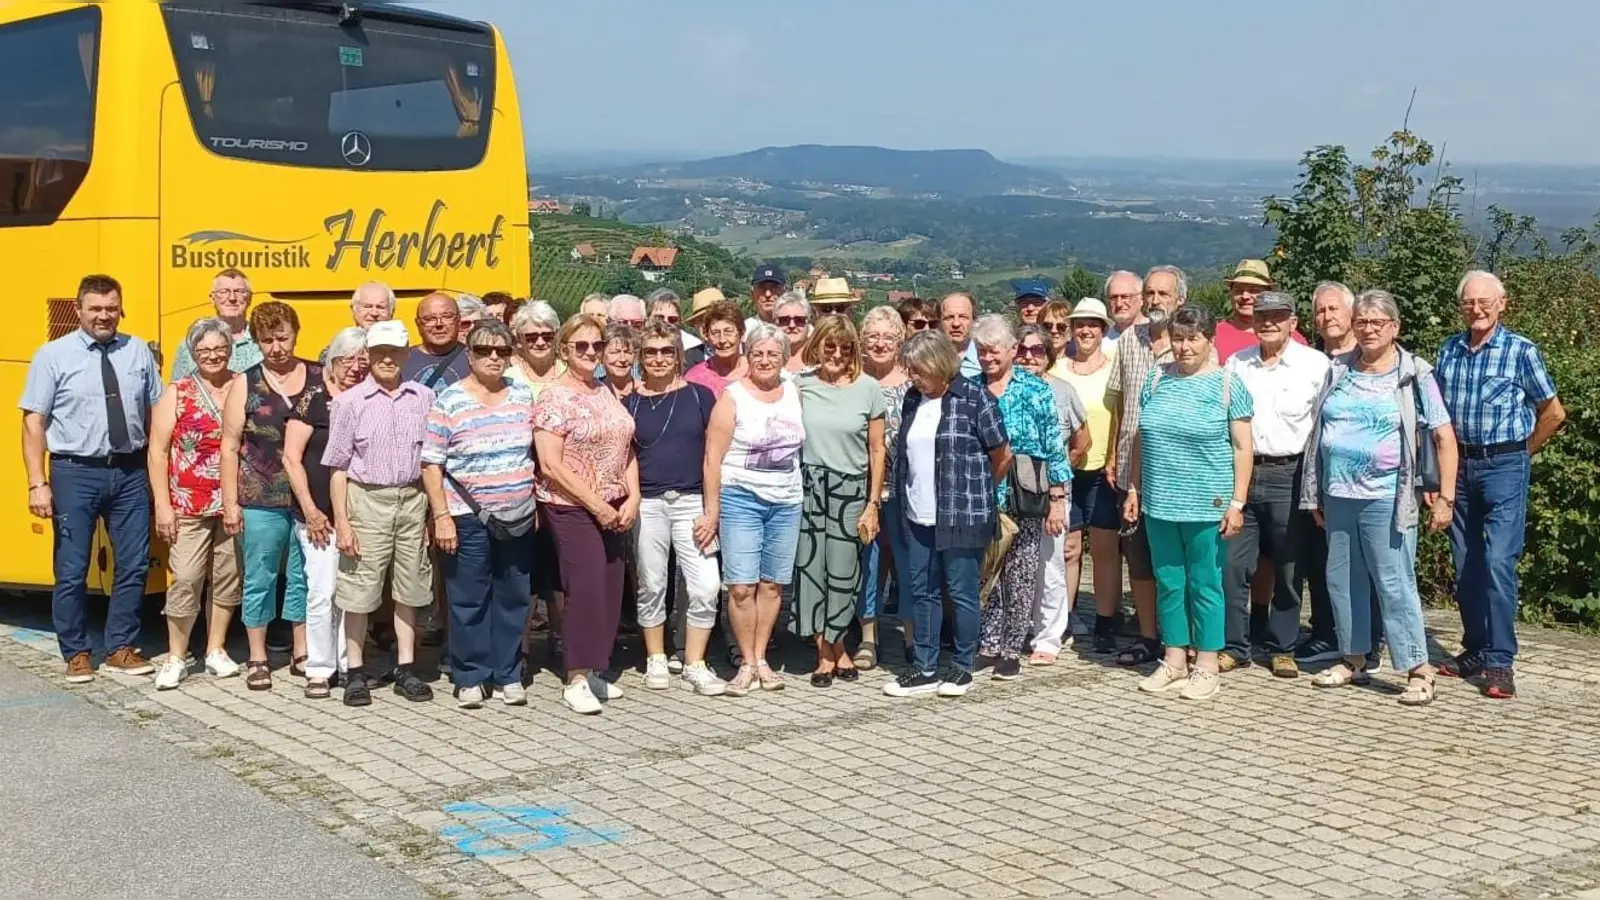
pixel 836 421
pixel 1068 406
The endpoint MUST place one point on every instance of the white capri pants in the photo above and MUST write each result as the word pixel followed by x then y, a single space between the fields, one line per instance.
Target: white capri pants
pixel 1052 612
pixel 325 650
pixel 666 523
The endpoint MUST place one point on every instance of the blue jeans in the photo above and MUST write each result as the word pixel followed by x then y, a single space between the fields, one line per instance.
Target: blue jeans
pixel 758 538
pixel 268 535
pixel 487 583
pixel 84 494
pixel 1491 518
pixel 1366 554
pixel 874 601
pixel 929 569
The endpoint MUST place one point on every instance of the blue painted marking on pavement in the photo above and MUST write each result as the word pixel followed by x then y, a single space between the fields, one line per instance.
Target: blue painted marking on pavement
pixel 499 832
pixel 29 637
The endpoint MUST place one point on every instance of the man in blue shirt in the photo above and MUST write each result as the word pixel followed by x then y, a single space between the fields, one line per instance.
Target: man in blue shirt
pixel 1504 407
pixel 956 312
pixel 230 297
pixel 87 401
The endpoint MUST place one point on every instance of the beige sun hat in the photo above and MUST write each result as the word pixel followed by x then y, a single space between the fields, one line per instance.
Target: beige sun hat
pixel 703 300
pixel 1251 271
pixel 832 292
pixel 1091 308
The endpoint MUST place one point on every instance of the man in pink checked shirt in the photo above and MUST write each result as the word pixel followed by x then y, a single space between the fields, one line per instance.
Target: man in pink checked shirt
pixel 380 513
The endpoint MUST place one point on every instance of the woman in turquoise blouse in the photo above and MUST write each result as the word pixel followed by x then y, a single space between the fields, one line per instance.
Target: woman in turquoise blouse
pixel 1189 473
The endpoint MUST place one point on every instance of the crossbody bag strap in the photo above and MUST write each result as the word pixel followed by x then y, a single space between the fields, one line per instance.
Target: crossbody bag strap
pixel 466 495
pixel 441 366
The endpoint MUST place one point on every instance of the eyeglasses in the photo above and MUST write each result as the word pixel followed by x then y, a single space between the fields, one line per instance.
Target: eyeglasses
pixel 670 320
pixel 725 333
pixel 1371 323
pixel 791 321
pixel 1477 303
pixel 486 352
pixel 212 352
pixel 538 337
pixel 231 292
pixel 1031 350
pixel 1115 297
pixel 918 324
pixel 766 355
pixel 879 340
pixel 440 319
pixel 631 323
pixel 584 348
pixel 658 352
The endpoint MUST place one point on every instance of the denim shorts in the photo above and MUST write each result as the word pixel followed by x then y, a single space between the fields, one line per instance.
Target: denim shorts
pixel 758 538
pixel 1095 503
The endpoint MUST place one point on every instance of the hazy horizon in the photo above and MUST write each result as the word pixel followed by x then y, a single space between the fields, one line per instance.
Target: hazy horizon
pixel 1254 80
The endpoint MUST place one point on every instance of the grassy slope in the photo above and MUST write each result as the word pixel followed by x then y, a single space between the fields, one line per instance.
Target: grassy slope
pixel 558 279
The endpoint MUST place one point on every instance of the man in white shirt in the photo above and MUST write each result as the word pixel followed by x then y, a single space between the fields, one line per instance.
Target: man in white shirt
pixel 1125 302
pixel 956 312
pixel 1284 379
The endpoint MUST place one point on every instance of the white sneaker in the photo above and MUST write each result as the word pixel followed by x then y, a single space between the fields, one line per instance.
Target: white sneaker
pixel 220 665
pixel 580 699
pixel 1202 685
pixel 171 673
pixel 703 681
pixel 657 677
pixel 675 663
pixel 470 697
pixel 514 694
pixel 602 689
pixel 1164 678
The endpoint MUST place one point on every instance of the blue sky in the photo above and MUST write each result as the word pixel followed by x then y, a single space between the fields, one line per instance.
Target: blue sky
pixel 1245 79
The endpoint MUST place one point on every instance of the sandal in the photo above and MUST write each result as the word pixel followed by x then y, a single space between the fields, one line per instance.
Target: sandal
pixel 1341 674
pixel 1041 658
pixel 258 675
pixel 318 689
pixel 1419 690
pixel 848 674
pixel 866 657
pixel 770 680
pixel 297 665
pixel 1140 652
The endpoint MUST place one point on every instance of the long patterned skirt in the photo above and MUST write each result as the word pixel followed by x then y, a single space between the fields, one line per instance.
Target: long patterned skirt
pixel 828 559
pixel 1008 616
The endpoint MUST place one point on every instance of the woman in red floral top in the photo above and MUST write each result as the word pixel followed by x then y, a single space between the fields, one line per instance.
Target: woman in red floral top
pixel 186 480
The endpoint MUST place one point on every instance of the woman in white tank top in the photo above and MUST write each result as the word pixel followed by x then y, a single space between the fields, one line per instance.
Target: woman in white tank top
pixel 752 498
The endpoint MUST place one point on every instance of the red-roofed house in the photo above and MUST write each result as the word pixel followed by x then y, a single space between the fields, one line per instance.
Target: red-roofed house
pixel 653 262
pixel 542 207
pixel 898 296
pixel 583 252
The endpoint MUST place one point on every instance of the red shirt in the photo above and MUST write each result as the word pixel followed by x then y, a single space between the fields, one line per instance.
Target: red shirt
pixel 1231 339
pixel 194 464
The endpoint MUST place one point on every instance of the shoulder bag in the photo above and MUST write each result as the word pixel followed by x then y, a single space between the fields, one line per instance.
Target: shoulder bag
pixel 500 529
pixel 1429 478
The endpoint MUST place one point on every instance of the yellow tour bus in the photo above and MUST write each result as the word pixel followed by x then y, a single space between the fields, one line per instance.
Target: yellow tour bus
pixel 313 145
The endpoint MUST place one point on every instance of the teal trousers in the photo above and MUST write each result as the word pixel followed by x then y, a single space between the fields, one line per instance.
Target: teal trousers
pixel 1188 558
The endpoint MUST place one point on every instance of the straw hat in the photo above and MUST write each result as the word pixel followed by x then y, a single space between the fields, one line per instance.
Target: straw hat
pixel 1091 308
pixel 832 292
pixel 703 300
pixel 1251 271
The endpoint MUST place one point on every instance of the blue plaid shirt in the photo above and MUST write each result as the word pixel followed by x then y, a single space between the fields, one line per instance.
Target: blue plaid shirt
pixel 1493 392
pixel 969 427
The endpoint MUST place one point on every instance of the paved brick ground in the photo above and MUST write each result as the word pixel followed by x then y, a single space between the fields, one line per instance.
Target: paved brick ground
pixel 1066 783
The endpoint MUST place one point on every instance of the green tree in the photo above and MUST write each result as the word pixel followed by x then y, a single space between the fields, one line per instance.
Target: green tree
pixel 1078 283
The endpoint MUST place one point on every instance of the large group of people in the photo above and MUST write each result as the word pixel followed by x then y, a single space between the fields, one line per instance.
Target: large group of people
pixel 804 469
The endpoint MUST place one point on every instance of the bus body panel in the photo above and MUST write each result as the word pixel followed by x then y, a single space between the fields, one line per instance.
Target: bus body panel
pixel 157 207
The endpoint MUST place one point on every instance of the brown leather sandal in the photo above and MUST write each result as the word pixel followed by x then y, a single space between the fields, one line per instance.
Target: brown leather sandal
pixel 258 675
pixel 297 666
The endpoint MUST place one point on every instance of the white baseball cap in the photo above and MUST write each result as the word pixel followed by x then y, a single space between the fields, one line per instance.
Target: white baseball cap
pixel 391 333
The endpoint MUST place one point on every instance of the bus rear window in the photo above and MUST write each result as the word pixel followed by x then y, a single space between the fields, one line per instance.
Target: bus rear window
pixel 294 86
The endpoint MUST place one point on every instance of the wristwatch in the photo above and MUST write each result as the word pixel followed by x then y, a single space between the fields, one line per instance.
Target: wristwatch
pixel 1236 504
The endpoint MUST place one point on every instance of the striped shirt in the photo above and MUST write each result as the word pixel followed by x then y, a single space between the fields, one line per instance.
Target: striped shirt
pixel 376 436
pixel 1186 453
pixel 1493 392
pixel 488 449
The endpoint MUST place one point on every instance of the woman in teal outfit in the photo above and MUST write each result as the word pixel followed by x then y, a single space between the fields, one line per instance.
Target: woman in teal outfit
pixel 1189 474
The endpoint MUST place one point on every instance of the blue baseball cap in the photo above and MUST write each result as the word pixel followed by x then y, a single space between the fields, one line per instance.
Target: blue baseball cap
pixel 1032 287
pixel 769 273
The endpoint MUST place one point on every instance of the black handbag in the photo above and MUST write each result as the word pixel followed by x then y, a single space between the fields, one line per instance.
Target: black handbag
pixel 1029 488
pixel 499 528
pixel 1429 477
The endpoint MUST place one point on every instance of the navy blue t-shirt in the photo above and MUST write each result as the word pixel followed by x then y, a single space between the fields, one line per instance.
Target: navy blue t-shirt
pixel 669 436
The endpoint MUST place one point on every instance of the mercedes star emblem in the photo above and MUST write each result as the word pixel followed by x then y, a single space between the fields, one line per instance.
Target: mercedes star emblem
pixel 356 148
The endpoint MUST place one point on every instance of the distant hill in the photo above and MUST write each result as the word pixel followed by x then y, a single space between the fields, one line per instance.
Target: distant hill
pixel 563 281
pixel 952 173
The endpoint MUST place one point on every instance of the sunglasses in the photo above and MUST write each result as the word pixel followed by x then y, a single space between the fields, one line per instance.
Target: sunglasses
pixel 486 352
pixel 658 352
pixel 584 348
pixel 670 320
pixel 791 321
pixel 918 324
pixel 1057 327
pixel 537 337
pixel 1033 350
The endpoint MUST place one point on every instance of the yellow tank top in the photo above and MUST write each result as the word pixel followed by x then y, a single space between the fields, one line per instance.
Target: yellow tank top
pixel 1091 390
